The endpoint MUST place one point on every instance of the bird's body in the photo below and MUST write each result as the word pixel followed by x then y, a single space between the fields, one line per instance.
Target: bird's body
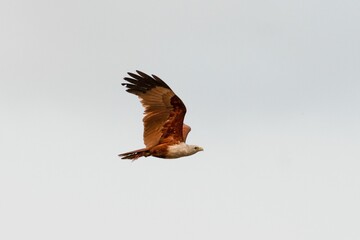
pixel 163 151
pixel 164 131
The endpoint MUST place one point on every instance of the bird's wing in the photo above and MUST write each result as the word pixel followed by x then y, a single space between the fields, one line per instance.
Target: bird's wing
pixel 164 111
pixel 186 130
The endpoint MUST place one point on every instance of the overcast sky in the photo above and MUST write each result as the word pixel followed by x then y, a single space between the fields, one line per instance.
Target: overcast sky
pixel 272 90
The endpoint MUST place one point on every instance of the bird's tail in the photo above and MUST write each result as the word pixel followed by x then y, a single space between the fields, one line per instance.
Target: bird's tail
pixel 133 155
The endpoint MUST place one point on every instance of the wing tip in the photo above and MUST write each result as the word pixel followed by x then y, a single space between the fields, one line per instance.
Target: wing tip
pixel 143 82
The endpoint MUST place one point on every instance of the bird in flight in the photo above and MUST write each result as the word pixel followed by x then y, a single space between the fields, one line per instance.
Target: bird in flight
pixel 164 129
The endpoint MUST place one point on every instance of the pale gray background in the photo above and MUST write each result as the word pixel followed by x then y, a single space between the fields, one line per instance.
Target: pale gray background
pixel 272 90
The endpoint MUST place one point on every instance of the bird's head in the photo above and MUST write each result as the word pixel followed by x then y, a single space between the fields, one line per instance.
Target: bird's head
pixel 195 149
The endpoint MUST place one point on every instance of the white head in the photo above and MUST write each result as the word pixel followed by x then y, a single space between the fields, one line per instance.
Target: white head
pixel 182 150
pixel 194 149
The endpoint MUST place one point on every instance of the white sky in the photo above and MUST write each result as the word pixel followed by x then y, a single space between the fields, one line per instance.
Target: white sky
pixel 272 91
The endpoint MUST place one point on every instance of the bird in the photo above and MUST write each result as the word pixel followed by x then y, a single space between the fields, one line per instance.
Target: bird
pixel 164 130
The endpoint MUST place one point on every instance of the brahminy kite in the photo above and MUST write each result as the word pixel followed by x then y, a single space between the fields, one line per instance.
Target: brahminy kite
pixel 164 131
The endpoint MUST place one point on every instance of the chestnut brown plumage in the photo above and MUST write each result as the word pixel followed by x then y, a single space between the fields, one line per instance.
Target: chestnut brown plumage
pixel 164 131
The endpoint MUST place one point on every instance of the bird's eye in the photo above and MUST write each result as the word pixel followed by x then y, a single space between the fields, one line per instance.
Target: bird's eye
pixel 196 148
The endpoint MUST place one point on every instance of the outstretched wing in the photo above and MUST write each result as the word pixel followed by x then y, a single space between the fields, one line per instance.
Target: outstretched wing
pixel 164 111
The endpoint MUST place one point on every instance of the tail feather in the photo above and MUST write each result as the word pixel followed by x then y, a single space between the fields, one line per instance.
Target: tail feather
pixel 133 155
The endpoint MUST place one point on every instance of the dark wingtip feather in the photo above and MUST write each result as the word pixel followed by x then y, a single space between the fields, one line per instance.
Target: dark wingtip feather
pixel 141 82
